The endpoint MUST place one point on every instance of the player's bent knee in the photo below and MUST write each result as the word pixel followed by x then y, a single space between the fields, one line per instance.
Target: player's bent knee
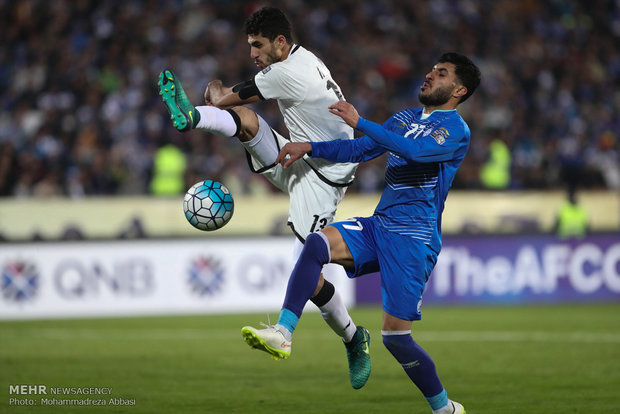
pixel 340 253
pixel 247 122
pixel 317 240
pixel 317 245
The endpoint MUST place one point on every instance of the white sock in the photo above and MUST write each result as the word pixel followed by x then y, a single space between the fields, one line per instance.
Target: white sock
pixel 217 121
pixel 337 317
pixel 263 147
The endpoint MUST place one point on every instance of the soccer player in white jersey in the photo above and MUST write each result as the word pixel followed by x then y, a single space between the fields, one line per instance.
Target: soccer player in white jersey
pixel 304 89
pixel 402 238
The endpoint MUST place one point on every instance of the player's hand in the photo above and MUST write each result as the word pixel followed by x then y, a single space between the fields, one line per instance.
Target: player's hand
pixel 294 151
pixel 214 89
pixel 346 111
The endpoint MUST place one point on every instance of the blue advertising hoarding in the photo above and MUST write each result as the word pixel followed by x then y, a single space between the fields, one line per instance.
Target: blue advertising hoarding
pixel 518 269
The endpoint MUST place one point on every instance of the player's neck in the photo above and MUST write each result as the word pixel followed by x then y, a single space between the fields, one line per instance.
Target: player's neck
pixel 286 50
pixel 448 106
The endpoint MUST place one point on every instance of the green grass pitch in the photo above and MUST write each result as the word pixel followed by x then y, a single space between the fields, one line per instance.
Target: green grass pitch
pixel 495 360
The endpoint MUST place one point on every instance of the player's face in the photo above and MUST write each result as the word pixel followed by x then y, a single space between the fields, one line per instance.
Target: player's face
pixel 263 52
pixel 439 85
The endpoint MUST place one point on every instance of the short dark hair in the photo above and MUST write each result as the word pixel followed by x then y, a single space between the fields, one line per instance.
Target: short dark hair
pixel 465 70
pixel 269 22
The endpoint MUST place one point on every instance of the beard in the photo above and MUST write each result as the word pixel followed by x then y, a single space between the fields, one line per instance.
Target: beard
pixel 437 98
pixel 272 56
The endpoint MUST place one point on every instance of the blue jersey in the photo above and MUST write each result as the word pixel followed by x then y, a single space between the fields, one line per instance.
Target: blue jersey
pixel 423 156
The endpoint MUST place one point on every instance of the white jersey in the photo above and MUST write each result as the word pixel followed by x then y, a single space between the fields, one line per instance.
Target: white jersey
pixel 304 89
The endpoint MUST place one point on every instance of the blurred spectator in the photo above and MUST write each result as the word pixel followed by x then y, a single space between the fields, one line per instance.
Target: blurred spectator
pixel 80 115
pixel 8 168
pixel 571 219
pixel 606 155
pixel 495 173
pixel 169 166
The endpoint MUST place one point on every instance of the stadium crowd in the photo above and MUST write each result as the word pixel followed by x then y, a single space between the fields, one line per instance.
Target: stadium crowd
pixel 80 114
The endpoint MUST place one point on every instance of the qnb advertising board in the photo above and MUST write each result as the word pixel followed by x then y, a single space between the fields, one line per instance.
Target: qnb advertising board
pixel 149 277
pixel 514 269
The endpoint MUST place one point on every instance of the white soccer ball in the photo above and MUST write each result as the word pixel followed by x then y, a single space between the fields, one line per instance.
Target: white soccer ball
pixel 208 205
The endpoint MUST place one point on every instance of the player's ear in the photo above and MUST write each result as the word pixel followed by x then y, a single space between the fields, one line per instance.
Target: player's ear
pixel 460 91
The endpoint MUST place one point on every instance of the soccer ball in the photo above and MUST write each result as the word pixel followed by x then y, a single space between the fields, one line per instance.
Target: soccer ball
pixel 208 205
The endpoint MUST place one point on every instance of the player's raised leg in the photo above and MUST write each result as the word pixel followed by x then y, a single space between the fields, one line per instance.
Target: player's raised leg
pixel 185 116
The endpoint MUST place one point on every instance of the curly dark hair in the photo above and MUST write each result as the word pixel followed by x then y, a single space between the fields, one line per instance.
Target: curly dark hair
pixel 269 22
pixel 466 71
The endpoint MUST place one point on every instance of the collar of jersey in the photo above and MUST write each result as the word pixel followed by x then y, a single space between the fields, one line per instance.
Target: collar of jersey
pixel 422 117
pixel 293 49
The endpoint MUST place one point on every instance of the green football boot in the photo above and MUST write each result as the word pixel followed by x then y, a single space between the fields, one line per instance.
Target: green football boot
pixel 183 114
pixel 358 354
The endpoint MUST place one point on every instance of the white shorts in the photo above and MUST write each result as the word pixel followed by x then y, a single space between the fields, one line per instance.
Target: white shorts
pixel 313 198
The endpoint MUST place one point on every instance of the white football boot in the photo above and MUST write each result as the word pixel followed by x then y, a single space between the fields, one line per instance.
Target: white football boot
pixel 452 408
pixel 269 340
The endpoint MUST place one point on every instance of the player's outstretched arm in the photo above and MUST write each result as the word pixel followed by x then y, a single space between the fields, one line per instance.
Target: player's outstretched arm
pixel 426 149
pixel 294 151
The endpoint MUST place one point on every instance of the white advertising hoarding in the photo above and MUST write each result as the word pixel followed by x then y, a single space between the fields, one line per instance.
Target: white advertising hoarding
pixel 149 277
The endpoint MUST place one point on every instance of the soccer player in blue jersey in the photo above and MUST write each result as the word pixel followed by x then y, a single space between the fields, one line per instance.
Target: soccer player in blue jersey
pixel 403 237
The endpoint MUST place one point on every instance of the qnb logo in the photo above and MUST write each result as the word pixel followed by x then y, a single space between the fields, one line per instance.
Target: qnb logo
pixel 258 274
pixel 20 281
pixel 206 276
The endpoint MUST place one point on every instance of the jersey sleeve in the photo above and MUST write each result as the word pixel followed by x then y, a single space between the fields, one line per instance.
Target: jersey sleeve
pixel 276 82
pixel 350 150
pixel 439 145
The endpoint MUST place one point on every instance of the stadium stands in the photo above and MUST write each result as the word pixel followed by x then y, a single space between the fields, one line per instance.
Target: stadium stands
pixel 80 114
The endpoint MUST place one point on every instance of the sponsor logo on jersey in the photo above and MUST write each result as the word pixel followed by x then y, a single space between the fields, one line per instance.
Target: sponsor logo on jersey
pixel 267 69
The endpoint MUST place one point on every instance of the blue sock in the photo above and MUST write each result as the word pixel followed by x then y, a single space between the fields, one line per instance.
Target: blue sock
pixel 438 401
pixel 304 279
pixel 288 320
pixel 419 367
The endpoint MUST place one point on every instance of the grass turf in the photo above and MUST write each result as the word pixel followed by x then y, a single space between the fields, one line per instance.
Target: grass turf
pixel 530 359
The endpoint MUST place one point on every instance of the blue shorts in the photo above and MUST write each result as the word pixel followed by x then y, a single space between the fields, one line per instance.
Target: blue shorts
pixel 404 262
